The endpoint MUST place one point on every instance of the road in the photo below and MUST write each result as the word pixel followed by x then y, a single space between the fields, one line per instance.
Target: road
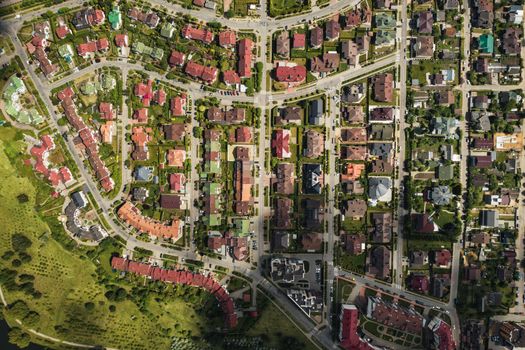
pixel 400 146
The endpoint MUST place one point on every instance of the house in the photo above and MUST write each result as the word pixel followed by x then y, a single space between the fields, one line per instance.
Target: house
pixel 281 143
pixel 483 14
pixel 382 114
pixel 472 273
pixel 441 195
pixel 178 106
pixel 170 201
pixel 312 214
pixel 177 182
pixel 381 166
pixel 280 241
pixel 286 74
pixel 200 34
pixel 425 21
pixel 444 126
pixel 88 17
pixel 488 218
pixel 139 194
pixel 486 44
pixel 143 173
pixel 353 244
pixel 385 20
pixel 515 14
pixel 312 242
pixel 424 47
pixel 332 30
pixel 382 132
pixel 349 338
pixel 316 37
pixel 363 43
pixel 354 209
pixel 419 283
pixel 106 131
pixel 379 189
pixel 230 77
pixel 352 171
pixel 353 135
pixel 245 57
pixel 353 93
pixel 327 64
pixel 176 157
pixel 511 41
pixel 62 31
pixel 232 116
pixel 282 213
pixel 299 41
pixel 383 87
pixel 383 38
pixel 289 115
pixel 174 132
pixel 381 227
pixel 312 178
pixel 423 223
pixel 354 152
pixel 115 18
pixel 353 114
pixel 140 138
pixel 150 19
pixel 176 58
pixel 418 259
pixel 350 52
pixel 227 38
pixel 314 145
pixel 106 110
pixel 445 97
pixel 121 40
pixel 442 258
pixel 282 44
pixel 204 73
pixel 285 178
pixel 315 111
pixel 378 262
pixel 90 47
pixel 132 216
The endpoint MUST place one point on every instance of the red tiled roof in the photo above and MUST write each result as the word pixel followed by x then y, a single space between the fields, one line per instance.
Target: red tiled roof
pixel 227 38
pixel 121 40
pixel 62 31
pixel 230 77
pixel 176 58
pixel 299 40
pixel 245 57
pixel 204 35
pixel 290 74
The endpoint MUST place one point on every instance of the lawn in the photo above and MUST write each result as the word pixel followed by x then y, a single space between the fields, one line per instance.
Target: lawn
pixel 276 328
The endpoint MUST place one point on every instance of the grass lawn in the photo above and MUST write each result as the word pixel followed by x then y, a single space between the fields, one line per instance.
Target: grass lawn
pixel 444 218
pixel 344 289
pixel 275 327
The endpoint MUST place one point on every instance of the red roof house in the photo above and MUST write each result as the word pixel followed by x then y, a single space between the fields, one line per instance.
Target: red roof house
pixel 230 77
pixel 227 38
pixel 281 143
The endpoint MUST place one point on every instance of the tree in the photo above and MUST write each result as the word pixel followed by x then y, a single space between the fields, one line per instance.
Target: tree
pixel 89 305
pixel 20 243
pixel 19 338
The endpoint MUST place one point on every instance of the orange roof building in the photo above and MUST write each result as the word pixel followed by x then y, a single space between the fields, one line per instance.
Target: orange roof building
pixel 352 171
pixel 176 157
pixel 132 216
pixel 107 130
